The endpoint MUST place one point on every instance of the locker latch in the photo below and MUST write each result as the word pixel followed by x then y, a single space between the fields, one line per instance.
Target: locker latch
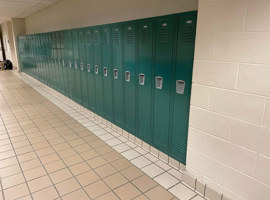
pixel 63 62
pixel 180 86
pixel 115 74
pixel 88 67
pixel 127 76
pixel 82 66
pixel 96 69
pixel 70 65
pixel 159 82
pixel 105 71
pixel 75 64
pixel 141 78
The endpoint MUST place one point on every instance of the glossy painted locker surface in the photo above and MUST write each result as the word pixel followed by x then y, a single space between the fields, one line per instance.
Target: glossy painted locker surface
pixel 83 68
pixel 77 70
pixel 117 74
pixel 144 81
pixel 107 72
pixel 130 33
pixel 90 70
pixel 65 65
pixel 71 70
pixel 163 71
pixel 181 85
pixel 98 70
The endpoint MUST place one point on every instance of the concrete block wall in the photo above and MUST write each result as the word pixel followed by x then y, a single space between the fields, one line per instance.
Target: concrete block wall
pixel 229 130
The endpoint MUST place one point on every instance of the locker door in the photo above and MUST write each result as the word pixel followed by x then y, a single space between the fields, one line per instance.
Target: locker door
pixel 98 70
pixel 145 68
pixel 181 87
pixel 117 75
pixel 83 68
pixel 90 70
pixel 54 64
pixel 71 70
pixel 51 60
pixel 65 63
pixel 107 72
pixel 129 76
pixel 163 67
pixel 60 63
pixel 77 72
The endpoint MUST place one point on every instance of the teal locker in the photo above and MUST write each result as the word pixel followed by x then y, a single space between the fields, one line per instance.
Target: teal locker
pixel 65 64
pixel 90 70
pixel 83 67
pixel 60 61
pixel 71 70
pixel 117 57
pixel 144 81
pixel 77 70
pixel 165 29
pixel 181 85
pixel 98 70
pixel 54 64
pixel 51 60
pixel 107 72
pixel 129 76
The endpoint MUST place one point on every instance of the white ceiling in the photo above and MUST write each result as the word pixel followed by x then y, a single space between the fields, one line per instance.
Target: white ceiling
pixel 22 8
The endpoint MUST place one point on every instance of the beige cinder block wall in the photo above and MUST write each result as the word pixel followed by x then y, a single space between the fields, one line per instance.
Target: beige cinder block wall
pixel 229 132
pixel 68 14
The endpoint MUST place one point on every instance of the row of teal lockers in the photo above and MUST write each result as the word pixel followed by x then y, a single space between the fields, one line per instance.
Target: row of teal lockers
pixel 136 74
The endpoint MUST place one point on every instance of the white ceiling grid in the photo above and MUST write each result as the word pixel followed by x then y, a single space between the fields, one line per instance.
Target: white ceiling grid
pixel 22 8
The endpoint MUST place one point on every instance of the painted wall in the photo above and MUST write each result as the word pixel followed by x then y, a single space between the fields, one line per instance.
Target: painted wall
pixel 8 41
pixel 229 133
pixel 18 28
pixel 68 14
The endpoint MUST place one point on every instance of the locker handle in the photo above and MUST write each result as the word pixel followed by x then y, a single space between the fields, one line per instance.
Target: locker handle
pixel 159 82
pixel 88 67
pixel 127 76
pixel 115 74
pixel 63 62
pixel 105 71
pixel 180 87
pixel 81 66
pixel 96 69
pixel 75 64
pixel 70 65
pixel 141 78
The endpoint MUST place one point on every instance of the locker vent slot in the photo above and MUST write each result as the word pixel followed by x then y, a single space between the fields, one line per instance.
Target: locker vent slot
pixel 96 69
pixel 164 33
pixel 106 37
pixel 160 136
pixel 88 38
pixel 96 37
pixel 180 145
pixel 130 37
pixel 116 37
pixel 127 76
pixel 105 71
pixel 145 35
pixel 188 32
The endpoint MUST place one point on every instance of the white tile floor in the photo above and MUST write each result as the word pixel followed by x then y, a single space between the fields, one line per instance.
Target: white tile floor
pixel 165 174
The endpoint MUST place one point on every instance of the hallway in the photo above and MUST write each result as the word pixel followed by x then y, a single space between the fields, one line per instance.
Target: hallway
pixel 46 153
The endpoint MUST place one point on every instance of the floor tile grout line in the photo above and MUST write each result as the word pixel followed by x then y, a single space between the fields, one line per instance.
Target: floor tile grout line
pixel 39 161
pixel 1 186
pixel 136 151
pixel 19 166
pixel 131 148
